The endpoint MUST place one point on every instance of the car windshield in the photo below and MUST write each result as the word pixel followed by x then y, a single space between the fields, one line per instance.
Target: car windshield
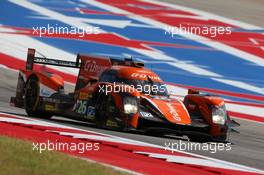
pixel 148 87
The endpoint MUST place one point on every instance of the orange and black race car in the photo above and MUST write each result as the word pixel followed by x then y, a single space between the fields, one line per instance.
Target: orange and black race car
pixel 120 94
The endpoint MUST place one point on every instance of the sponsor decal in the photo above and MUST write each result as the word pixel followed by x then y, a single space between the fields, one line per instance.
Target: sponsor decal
pixel 173 112
pixel 160 97
pixel 50 100
pixel 83 96
pixel 111 123
pixel 90 112
pixel 146 114
pixel 144 76
pixel 50 107
pixel 92 67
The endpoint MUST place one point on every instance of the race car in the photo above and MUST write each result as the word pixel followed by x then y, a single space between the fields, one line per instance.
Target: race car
pixel 119 94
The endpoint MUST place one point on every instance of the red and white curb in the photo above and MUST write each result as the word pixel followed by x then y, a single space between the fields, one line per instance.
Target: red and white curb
pixel 128 154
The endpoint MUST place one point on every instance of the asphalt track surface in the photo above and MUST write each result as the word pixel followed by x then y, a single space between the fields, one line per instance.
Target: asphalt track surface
pixel 247 147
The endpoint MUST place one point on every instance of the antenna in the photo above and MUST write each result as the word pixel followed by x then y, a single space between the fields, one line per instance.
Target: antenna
pixel 127 56
pixel 128 60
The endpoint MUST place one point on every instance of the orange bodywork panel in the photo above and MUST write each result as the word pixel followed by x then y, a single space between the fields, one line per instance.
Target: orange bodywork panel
pixel 173 110
pixel 203 103
pixel 52 81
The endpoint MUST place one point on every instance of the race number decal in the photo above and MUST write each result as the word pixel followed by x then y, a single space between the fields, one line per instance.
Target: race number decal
pixel 81 107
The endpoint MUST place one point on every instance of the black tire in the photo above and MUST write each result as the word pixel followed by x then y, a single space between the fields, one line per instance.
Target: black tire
pixel 101 109
pixel 104 109
pixel 32 99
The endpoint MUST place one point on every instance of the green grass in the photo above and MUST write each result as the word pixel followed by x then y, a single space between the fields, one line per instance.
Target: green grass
pixel 18 158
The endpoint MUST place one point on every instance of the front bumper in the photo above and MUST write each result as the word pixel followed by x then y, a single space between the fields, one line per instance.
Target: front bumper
pixel 198 130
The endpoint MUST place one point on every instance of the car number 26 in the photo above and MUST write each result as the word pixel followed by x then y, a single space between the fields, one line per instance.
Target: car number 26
pixel 82 108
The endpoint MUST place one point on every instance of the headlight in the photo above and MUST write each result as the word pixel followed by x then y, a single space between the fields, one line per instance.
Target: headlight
pixel 219 115
pixel 130 105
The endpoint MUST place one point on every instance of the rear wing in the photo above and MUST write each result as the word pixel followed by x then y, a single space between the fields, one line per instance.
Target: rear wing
pixel 31 59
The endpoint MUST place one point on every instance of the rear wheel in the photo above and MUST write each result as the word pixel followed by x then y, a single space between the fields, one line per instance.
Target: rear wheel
pixel 32 99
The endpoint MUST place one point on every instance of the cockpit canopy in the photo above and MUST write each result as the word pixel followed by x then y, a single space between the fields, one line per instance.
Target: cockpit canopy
pixel 144 80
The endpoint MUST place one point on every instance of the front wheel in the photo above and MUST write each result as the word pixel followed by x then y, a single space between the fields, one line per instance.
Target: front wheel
pixel 32 99
pixel 105 112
